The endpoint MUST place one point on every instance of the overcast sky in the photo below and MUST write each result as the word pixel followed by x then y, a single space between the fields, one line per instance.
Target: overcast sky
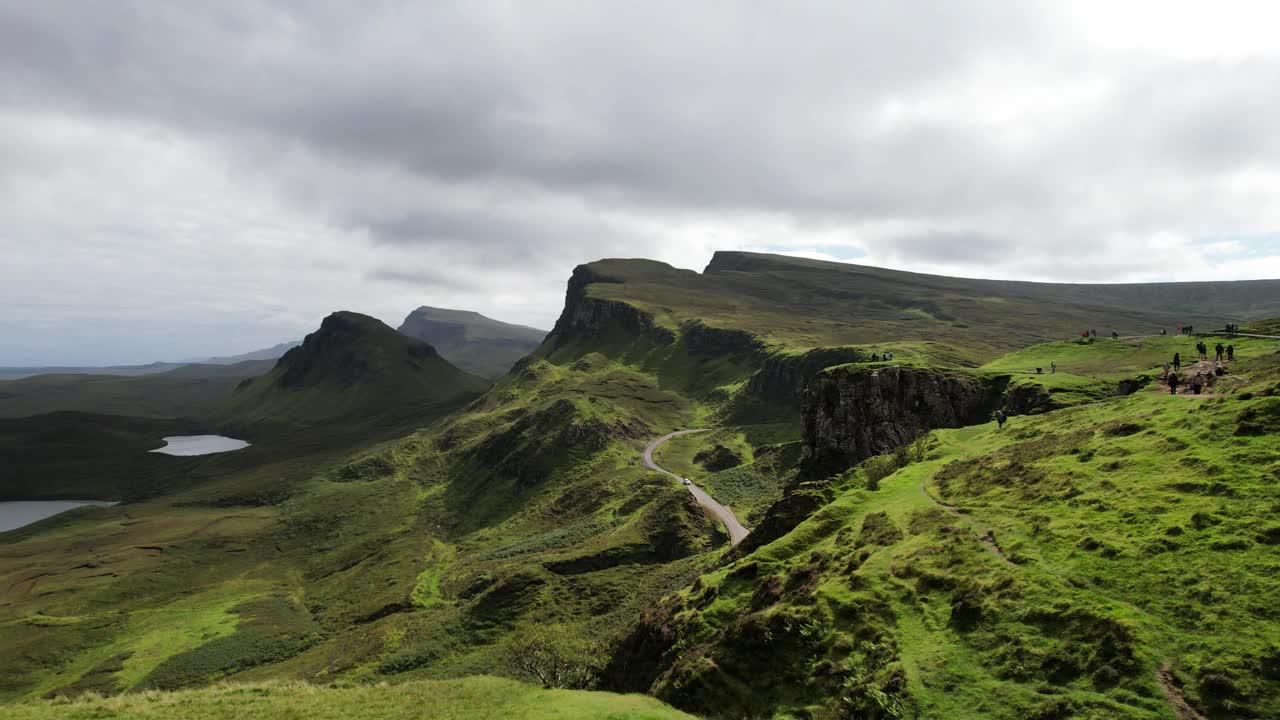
pixel 191 178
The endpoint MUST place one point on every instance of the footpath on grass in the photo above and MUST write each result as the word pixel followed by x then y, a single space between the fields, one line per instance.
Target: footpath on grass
pixel 736 531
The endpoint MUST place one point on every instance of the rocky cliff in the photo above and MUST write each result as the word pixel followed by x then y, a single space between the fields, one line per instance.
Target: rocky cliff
pixel 783 377
pixel 851 413
pixel 591 318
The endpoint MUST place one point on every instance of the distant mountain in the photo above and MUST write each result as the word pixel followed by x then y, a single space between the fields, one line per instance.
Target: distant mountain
pixel 189 391
pixel 353 366
pixel 272 353
pixel 473 342
pixel 155 368
pixel 16 373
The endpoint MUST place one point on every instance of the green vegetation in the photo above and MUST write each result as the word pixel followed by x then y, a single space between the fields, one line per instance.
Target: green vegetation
pixel 480 345
pixel 478 698
pixel 353 366
pixel 391 524
pixel 1051 569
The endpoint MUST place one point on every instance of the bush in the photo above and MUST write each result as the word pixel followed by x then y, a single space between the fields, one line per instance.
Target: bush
pixel 552 655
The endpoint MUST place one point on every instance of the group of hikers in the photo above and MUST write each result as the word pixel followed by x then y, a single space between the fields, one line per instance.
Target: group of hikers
pixel 1196 383
pixel 877 357
pixel 1203 378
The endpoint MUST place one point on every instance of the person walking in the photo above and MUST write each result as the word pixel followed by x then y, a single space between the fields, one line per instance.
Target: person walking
pixel 1166 369
pixel 1173 383
pixel 1218 350
pixel 1231 353
pixel 1000 419
pixel 1177 362
pixel 1053 367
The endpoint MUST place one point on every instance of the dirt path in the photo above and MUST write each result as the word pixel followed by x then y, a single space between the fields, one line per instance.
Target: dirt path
pixel 1181 708
pixel 736 531
pixel 988 539
pixel 1188 372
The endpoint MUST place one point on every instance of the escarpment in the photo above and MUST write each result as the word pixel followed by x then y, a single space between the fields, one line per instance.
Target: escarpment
pixel 591 318
pixel 851 413
pixel 782 378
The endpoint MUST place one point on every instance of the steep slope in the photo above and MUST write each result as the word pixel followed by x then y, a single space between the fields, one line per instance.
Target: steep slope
pixel 353 366
pixel 187 391
pixel 473 342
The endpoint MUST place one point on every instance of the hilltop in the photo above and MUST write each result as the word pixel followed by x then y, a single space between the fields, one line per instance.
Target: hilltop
pixel 354 365
pixel 473 342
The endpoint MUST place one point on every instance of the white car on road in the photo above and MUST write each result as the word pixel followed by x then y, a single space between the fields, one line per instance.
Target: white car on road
pixel 687 481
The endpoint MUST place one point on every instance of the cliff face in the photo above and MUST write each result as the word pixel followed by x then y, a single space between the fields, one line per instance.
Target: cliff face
pixel 782 378
pixel 586 317
pixel 852 413
pixel 702 339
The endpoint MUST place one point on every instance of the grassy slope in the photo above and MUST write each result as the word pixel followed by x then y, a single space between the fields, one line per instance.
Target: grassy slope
pixel 367 558
pixel 1135 534
pixel 194 391
pixel 478 698
pixel 409 558
pixel 353 366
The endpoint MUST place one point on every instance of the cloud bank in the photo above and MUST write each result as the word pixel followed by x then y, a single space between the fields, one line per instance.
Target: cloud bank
pixel 193 178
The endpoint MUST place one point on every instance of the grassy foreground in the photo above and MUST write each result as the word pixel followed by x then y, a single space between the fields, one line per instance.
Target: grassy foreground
pixel 474 697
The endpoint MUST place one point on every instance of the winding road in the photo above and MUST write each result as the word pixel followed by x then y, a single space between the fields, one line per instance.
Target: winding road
pixel 725 515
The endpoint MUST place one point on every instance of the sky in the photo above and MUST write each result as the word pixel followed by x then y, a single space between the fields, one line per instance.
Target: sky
pixel 186 178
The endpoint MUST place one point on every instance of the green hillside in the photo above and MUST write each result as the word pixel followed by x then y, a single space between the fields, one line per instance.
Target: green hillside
pixel 1100 561
pixel 478 344
pixel 478 698
pixel 353 366
pixel 382 529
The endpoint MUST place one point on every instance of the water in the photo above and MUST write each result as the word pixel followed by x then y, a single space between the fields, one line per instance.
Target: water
pixel 199 445
pixel 24 512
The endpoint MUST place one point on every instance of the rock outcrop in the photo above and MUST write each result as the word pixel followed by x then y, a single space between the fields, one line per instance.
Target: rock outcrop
pixel 783 377
pixel 586 317
pixel 851 413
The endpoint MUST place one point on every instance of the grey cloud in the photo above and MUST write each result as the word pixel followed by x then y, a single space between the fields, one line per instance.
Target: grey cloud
pixel 959 247
pixel 479 150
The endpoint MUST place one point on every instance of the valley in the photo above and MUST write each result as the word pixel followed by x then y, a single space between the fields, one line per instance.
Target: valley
pixel 889 552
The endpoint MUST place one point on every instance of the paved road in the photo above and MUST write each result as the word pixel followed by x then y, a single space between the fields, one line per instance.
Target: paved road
pixel 726 516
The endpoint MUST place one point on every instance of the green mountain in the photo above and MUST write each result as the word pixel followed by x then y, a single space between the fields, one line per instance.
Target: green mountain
pixel 1107 554
pixel 353 366
pixel 473 342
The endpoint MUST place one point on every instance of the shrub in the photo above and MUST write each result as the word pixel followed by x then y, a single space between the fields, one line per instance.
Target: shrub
pixel 552 656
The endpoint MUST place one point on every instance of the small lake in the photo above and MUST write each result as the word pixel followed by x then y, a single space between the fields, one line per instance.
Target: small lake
pixel 185 445
pixel 16 514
